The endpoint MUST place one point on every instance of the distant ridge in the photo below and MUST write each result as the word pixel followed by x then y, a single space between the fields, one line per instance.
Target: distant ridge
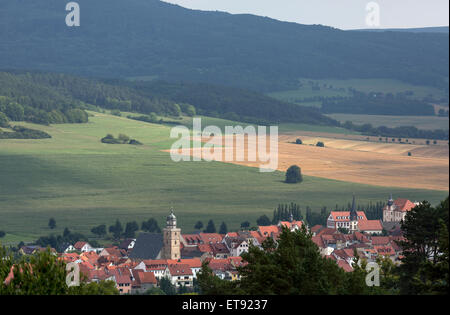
pixel 437 29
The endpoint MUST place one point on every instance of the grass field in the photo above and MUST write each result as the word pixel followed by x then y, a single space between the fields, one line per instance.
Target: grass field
pixel 420 122
pixel 340 88
pixel 82 183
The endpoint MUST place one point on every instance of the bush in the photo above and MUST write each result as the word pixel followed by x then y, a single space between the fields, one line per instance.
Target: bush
pixel 116 112
pixel 4 121
pixel 294 175
pixel 24 133
pixel 134 142
pixel 320 144
pixel 109 139
pixel 299 141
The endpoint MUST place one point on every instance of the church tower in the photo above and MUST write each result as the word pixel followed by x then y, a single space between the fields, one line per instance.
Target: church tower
pixel 172 236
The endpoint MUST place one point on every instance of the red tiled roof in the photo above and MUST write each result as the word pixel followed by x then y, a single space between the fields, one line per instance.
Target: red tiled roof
pixel 180 270
pixel 344 265
pixel 291 224
pixel 142 277
pixel 266 231
pixel 404 204
pixel 318 241
pixel 326 231
pixel 370 225
pixel 205 248
pixel 385 250
pixel 192 262
pixel 114 251
pixel 380 240
pixel 79 245
pixel 209 238
pixel 316 228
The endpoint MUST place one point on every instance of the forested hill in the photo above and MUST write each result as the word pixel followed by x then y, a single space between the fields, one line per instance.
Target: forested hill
pixel 152 38
pixel 59 98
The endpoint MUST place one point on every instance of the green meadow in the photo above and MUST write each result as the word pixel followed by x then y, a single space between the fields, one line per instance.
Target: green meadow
pixel 82 183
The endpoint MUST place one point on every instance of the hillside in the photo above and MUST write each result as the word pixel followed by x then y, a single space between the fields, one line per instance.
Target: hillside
pixel 150 38
pixel 58 98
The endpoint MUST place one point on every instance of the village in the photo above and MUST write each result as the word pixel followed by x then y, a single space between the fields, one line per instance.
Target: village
pixel 142 264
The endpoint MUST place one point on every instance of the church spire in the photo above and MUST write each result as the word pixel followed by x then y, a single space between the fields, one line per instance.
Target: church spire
pixel 353 213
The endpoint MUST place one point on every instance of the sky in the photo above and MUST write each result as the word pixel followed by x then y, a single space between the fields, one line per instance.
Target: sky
pixel 343 14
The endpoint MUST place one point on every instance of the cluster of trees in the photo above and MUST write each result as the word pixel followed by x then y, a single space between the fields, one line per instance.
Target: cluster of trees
pixel 233 103
pixel 60 242
pixel 23 99
pixel 211 227
pixel 46 98
pixel 314 218
pixel 294 265
pixel 122 139
pixel 397 132
pixel 118 231
pixel 19 132
pixel 378 104
pixel 283 212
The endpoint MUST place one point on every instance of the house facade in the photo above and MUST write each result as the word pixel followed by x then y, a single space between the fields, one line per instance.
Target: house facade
pixel 395 211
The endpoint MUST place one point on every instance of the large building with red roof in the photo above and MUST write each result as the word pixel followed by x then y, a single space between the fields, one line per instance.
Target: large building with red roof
pixel 353 221
pixel 395 210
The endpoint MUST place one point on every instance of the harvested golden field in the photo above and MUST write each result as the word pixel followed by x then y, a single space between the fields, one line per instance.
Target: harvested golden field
pixel 359 161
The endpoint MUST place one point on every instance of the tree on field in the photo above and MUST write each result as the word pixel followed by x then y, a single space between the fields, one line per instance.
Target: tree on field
pixel 52 223
pixel 263 221
pixel 130 229
pixel 151 225
pixel 299 141
pixel 210 228
pixel 116 229
pixel 294 175
pixel 99 230
pixel 66 232
pixel 198 225
pixel 223 228
pixel 320 144
pixel 245 225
